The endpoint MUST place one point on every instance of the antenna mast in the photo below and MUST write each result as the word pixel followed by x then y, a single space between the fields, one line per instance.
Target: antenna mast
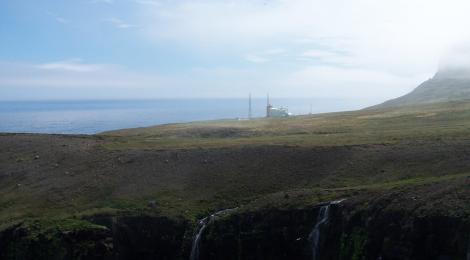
pixel 249 107
pixel 268 107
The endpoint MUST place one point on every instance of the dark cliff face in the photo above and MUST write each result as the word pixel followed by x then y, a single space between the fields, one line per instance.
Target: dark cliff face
pixel 145 237
pixel 266 234
pixel 351 232
pixel 399 235
pixel 122 237
pixel 20 242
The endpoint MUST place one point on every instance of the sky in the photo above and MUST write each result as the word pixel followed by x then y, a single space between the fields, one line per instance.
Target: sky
pixel 121 49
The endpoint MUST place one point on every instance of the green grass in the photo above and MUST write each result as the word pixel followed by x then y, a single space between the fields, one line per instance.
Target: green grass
pixel 300 198
pixel 445 121
pixel 414 181
pixel 250 183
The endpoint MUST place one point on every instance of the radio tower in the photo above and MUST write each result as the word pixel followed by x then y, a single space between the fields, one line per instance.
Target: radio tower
pixel 268 107
pixel 249 107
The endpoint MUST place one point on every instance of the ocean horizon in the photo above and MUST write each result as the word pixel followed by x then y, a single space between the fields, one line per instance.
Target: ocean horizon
pixel 95 116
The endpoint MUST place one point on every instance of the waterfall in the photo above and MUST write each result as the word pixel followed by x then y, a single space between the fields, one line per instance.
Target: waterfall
pixel 322 221
pixel 314 236
pixel 201 226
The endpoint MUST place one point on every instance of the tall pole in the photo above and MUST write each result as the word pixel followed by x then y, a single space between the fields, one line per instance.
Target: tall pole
pixel 249 107
pixel 268 106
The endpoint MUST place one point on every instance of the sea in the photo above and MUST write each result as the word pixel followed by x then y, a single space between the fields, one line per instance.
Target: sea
pixel 95 116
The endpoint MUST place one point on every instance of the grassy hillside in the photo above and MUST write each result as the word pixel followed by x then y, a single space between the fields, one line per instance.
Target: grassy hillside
pixel 449 120
pixel 192 169
pixel 447 85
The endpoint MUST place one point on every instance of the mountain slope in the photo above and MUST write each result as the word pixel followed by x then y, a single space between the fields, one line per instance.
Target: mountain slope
pixel 447 85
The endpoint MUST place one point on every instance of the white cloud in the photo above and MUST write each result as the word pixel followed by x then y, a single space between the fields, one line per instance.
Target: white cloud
pixel 75 74
pixel 118 23
pixel 275 51
pixel 74 65
pixel 58 19
pixel 61 20
pixel 457 57
pixel 264 56
pixel 335 58
pixel 330 81
pixel 313 81
pixel 149 2
pixel 320 54
pixel 255 58
pixel 376 48
pixel 398 37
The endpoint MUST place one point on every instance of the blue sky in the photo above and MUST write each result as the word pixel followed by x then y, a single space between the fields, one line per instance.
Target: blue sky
pixel 94 31
pixel 115 49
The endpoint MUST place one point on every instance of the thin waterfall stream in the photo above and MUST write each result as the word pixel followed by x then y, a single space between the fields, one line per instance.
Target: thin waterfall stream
pixel 199 231
pixel 322 221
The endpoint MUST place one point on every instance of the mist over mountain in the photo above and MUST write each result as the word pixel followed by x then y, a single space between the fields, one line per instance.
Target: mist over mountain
pixel 450 83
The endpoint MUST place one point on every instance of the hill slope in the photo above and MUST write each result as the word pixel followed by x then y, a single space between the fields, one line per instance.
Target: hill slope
pixel 446 85
pixel 137 193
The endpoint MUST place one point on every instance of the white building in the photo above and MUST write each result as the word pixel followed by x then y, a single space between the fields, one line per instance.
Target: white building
pixel 276 111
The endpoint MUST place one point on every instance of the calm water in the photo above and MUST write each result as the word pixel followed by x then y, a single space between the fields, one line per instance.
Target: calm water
pixel 89 117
